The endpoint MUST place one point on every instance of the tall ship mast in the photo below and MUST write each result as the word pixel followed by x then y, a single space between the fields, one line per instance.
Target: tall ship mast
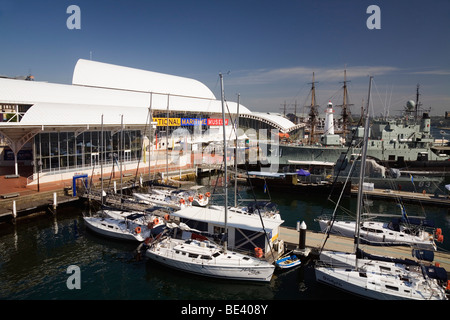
pixel 313 114
pixel 346 114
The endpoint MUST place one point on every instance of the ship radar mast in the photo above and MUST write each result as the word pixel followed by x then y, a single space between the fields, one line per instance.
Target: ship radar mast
pixel 414 107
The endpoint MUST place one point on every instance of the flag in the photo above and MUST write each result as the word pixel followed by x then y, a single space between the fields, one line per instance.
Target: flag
pixel 265 187
pixel 412 179
pixel 404 215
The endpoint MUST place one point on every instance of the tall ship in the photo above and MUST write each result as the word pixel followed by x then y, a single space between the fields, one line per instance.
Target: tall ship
pixel 405 143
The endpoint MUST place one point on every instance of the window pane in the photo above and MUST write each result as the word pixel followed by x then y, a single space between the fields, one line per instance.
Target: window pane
pixel 45 144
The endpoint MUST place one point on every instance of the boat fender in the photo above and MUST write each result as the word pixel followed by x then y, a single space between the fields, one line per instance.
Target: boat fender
pixel 208 194
pixel 167 217
pixel 150 225
pixel 258 252
pixel 182 201
pixel 191 199
pixel 200 196
pixel 440 238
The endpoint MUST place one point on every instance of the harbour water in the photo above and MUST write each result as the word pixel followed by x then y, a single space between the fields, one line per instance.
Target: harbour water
pixel 37 252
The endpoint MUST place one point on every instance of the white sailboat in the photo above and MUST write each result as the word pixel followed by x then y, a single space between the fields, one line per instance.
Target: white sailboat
pixel 202 257
pixel 121 229
pixel 266 209
pixel 122 224
pixel 374 278
pixel 394 232
pixel 177 199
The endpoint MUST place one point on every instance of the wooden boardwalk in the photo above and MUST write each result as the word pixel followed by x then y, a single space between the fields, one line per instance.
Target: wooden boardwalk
pixel 314 241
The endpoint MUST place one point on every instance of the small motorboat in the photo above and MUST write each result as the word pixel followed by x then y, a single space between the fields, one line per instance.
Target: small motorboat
pixel 288 262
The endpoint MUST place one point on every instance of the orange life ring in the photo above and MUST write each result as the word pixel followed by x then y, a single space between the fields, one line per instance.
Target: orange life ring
pixel 191 199
pixel 182 201
pixel 156 221
pixel 208 194
pixel 167 217
pixel 200 196
pixel 138 230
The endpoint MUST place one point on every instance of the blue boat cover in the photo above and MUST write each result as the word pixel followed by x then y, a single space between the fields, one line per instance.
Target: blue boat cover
pixel 435 272
pixel 426 255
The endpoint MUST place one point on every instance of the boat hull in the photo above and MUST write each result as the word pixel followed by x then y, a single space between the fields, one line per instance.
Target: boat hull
pixel 376 290
pixel 376 279
pixel 245 270
pixel 288 262
pixel 376 233
pixel 114 229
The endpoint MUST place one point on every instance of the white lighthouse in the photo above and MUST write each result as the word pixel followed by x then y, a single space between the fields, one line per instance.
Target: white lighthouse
pixel 329 121
pixel 329 138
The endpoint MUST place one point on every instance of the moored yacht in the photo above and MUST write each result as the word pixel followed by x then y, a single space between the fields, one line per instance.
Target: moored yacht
pixel 205 258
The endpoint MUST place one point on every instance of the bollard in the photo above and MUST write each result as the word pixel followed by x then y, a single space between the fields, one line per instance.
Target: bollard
pixel 14 209
pixel 301 228
pixel 55 200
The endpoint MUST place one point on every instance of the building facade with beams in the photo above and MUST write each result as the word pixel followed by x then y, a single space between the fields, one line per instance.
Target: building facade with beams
pixel 57 129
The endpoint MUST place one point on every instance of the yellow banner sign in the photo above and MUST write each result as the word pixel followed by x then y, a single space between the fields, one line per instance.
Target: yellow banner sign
pixel 162 122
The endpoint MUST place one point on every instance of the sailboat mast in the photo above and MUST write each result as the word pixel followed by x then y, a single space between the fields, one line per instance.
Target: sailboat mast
pixel 236 125
pixel 362 171
pixel 121 155
pixel 224 160
pixel 101 160
pixel 150 140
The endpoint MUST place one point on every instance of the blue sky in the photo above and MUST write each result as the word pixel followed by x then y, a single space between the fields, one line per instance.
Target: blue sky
pixel 269 48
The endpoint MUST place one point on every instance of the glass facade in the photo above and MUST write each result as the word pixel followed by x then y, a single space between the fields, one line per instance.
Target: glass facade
pixel 68 150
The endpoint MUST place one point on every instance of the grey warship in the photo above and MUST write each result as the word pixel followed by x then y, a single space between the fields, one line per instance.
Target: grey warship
pixel 405 143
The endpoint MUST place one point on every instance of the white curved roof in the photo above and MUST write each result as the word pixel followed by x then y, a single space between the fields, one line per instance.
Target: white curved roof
pixel 31 92
pixel 103 75
pixel 275 119
pixel 57 104
pixel 51 114
pixel 61 104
